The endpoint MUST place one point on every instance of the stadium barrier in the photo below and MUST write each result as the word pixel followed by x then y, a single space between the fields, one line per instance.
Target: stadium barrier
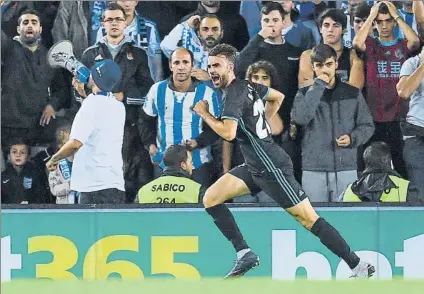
pixel 136 241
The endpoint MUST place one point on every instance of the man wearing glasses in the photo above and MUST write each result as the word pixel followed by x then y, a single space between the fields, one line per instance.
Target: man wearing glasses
pixel 131 89
pixel 384 57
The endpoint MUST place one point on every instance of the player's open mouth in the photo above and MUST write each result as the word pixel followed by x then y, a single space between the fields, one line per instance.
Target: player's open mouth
pixel 215 79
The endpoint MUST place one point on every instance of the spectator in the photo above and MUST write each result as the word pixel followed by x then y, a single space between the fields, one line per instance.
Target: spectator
pixel 335 120
pixel 96 140
pixel 269 45
pixel 31 90
pixel 170 120
pixel 418 9
pixel 21 181
pixel 379 182
pixel 349 10
pixel 60 178
pixel 233 23
pixel 199 35
pixel 332 23
pixel 10 13
pixel 309 11
pixel 384 57
pixel 357 17
pixel 132 89
pixel 295 32
pixel 411 86
pixel 145 35
pixel 175 185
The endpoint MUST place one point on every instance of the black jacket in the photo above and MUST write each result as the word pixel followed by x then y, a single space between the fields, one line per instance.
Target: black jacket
pixel 29 185
pixel 234 25
pixel 135 81
pixel 28 84
pixel 373 182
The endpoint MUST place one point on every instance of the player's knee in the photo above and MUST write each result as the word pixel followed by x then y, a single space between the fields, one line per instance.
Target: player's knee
pixel 209 199
pixel 307 221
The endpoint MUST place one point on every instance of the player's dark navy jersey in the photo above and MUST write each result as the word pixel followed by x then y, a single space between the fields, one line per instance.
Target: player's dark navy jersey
pixel 242 102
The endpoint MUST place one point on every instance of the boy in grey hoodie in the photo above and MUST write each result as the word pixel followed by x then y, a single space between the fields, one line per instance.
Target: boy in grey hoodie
pixel 335 120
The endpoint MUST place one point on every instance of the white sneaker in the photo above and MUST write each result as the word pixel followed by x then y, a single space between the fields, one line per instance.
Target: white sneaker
pixel 363 270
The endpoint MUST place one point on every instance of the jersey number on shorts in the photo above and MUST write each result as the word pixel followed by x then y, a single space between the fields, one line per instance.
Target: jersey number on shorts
pixel 259 111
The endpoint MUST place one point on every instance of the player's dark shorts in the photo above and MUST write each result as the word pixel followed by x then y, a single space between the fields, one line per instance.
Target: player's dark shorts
pixel 279 184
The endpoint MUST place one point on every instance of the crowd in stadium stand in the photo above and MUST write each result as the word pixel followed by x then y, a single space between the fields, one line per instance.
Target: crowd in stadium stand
pixel 162 49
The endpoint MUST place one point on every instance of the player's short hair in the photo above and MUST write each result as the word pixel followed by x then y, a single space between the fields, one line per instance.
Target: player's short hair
pixel 336 15
pixel 322 52
pixel 383 9
pixel 377 155
pixel 113 6
pixel 29 11
pixel 182 48
pixel 225 50
pixel 17 141
pixel 271 6
pixel 267 67
pixel 362 10
pixel 174 155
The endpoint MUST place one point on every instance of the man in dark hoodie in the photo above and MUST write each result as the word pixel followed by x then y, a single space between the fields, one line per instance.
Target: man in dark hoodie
pixel 335 120
pixel 380 182
pixel 31 91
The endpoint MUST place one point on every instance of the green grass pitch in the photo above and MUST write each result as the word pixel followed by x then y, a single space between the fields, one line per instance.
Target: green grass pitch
pixel 209 286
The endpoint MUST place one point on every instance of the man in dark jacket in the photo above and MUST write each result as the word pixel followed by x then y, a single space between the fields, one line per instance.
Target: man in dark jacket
pixel 380 182
pixel 21 181
pixel 335 120
pixel 132 89
pixel 31 89
pixel 234 25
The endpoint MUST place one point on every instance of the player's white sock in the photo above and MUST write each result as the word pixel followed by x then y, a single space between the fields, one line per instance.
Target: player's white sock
pixel 242 252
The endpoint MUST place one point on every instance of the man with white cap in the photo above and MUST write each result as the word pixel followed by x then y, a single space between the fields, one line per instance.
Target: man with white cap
pixel 96 139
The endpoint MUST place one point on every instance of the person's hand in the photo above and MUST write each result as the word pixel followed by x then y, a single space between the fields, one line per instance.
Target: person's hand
pixel 153 150
pixel 266 32
pixel 52 164
pixel 374 10
pixel 119 96
pixel 193 22
pixel 343 141
pixel 392 9
pixel 191 144
pixel 200 74
pixel 48 114
pixel 79 87
pixel 201 107
pixel 324 78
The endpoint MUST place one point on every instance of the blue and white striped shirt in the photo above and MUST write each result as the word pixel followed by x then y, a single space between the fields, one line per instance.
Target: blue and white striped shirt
pixel 176 122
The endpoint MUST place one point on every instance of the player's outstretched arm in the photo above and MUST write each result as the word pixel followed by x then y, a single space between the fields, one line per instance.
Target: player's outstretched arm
pixel 274 99
pixel 227 128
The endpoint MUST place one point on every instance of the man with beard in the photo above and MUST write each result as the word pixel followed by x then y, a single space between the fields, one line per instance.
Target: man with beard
pixel 131 89
pixel 198 35
pixel 31 90
pixel 235 26
pixel 247 107
pixel 332 23
pixel 171 121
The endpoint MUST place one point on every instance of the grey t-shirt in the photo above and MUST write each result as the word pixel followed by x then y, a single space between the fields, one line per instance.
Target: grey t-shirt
pixel 416 104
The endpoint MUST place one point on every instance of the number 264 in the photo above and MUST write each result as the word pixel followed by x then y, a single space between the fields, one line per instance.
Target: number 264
pixel 96 265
